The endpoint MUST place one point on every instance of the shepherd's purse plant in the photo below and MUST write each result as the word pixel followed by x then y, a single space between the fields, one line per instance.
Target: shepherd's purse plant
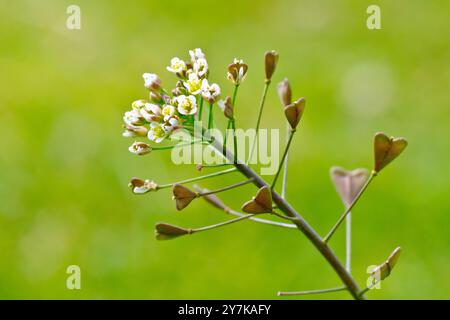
pixel 192 102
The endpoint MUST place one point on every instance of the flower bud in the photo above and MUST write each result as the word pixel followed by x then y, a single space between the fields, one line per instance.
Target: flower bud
pixel 140 148
pixel 155 97
pixel 237 71
pixel 139 186
pixel 261 203
pixel 227 107
pixel 165 231
pixel 348 183
pixel 151 81
pixel 294 112
pixel 135 131
pixel 179 89
pixel 271 60
pixel 183 196
pixel 386 149
pixel 284 92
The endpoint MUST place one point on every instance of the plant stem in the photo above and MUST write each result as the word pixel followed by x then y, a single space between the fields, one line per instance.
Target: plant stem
pixel 302 225
pixel 349 208
pixel 233 124
pixel 258 122
pixel 200 111
pixel 285 170
pixel 348 242
pixel 235 185
pixel 214 174
pixel 210 116
pixel 303 293
pixel 179 145
pixel 286 149
pixel 221 224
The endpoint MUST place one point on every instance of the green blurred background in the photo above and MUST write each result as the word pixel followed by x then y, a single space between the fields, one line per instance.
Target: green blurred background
pixel 64 166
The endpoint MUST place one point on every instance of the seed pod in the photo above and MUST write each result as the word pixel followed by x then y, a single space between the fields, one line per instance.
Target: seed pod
pixel 271 60
pixel 261 203
pixel 386 149
pixel 183 196
pixel 294 112
pixel 348 183
pixel 165 231
pixel 384 270
pixel 227 107
pixel 285 92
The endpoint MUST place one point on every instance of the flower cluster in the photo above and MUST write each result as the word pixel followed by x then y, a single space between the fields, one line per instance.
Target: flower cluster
pixel 164 112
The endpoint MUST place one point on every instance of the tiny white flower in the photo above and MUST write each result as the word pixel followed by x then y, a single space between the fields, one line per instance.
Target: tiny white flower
pixel 196 54
pixel 168 111
pixel 133 118
pixel 157 133
pixel 140 148
pixel 201 67
pixel 151 112
pixel 186 105
pixel 177 65
pixel 193 84
pixel 210 92
pixel 151 81
pixel 139 186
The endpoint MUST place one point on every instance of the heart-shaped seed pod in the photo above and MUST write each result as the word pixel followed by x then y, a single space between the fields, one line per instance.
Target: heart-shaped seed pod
pixel 386 149
pixel 182 196
pixel 294 112
pixel 261 203
pixel 348 183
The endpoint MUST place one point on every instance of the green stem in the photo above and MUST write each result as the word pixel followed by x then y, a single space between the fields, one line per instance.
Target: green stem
pixel 258 122
pixel 285 170
pixel 201 194
pixel 210 116
pixel 286 149
pixel 247 216
pixel 349 208
pixel 215 174
pixel 302 293
pixel 180 145
pixel 233 123
pixel 200 111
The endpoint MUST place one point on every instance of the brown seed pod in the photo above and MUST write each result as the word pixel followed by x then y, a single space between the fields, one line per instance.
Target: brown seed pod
pixel 294 112
pixel 182 196
pixel 261 203
pixel 348 183
pixel 386 149
pixel 271 60
pixel 165 231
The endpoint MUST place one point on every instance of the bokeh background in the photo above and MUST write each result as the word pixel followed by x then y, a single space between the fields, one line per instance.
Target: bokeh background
pixel 64 166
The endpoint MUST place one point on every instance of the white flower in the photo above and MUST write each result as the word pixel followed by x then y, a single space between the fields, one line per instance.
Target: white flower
pixel 193 84
pixel 138 104
pixel 151 81
pixel 196 54
pixel 177 65
pixel 210 92
pixel 133 118
pixel 168 111
pixel 151 112
pixel 139 186
pixel 157 133
pixel 201 67
pixel 186 105
pixel 140 148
